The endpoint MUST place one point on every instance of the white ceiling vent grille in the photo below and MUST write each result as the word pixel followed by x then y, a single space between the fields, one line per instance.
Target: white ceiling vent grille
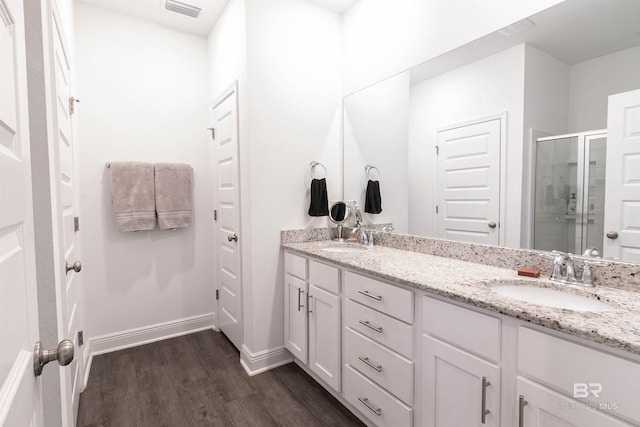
pixel 183 8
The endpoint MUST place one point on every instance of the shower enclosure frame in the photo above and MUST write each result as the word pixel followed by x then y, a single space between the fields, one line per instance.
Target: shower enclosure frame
pixel 584 140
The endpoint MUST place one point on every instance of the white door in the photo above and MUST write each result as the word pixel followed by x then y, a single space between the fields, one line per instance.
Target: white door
pixel 20 400
pixel 622 194
pixel 295 317
pixel 227 198
pixel 543 407
pixel 468 183
pixel 65 209
pixel 324 336
pixel 454 390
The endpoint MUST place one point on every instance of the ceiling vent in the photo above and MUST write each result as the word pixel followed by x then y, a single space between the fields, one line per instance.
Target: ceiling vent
pixel 183 8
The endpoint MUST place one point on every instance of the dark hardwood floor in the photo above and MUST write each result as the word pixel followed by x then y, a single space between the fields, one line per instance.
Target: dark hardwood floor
pixel 197 380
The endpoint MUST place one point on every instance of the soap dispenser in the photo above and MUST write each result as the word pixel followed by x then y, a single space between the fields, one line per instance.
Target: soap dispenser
pixel 571 206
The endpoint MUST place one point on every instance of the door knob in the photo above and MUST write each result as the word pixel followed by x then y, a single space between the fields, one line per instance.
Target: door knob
pixel 492 224
pixel 63 354
pixel 232 237
pixel 613 235
pixel 76 266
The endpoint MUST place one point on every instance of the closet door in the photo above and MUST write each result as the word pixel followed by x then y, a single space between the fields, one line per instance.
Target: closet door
pixel 622 195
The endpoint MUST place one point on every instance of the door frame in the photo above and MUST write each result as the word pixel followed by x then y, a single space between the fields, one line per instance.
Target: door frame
pixel 231 90
pixel 502 117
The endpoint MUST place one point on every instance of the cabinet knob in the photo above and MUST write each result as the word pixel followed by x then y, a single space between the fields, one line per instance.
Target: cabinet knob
pixel 492 224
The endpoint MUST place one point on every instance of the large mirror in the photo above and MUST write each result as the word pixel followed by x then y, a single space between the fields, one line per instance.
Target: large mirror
pixel 504 140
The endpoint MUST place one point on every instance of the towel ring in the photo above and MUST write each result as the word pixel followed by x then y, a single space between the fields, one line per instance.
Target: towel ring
pixel 367 170
pixel 313 164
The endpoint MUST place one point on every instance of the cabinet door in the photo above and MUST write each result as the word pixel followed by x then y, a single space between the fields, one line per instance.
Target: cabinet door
pixel 324 336
pixel 452 381
pixel 547 408
pixel 295 316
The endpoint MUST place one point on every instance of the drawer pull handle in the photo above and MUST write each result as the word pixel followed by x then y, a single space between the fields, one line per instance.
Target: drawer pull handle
pixel 521 404
pixel 485 411
pixel 366 361
pixel 367 294
pixel 300 292
pixel 365 402
pixel 366 323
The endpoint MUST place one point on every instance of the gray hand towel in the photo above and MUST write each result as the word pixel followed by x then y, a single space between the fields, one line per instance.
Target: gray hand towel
pixel 133 195
pixel 174 195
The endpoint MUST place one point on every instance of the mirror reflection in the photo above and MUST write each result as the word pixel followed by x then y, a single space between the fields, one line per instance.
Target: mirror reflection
pixel 515 139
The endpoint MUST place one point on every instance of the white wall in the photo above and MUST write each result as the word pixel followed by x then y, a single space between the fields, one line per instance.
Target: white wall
pixel 546 110
pixel 382 38
pixel 376 128
pixel 286 56
pixel 144 98
pixel 593 81
pixel 488 87
pixel 295 116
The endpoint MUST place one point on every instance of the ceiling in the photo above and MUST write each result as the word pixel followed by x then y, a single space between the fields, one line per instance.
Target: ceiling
pixel 154 11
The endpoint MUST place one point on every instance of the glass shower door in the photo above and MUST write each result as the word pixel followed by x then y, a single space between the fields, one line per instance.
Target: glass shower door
pixel 569 192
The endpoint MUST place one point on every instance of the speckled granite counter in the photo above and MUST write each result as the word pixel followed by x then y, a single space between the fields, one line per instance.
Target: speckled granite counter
pixel 471 283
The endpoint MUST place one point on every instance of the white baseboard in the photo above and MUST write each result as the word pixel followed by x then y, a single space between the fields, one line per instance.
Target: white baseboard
pixel 145 335
pixel 256 363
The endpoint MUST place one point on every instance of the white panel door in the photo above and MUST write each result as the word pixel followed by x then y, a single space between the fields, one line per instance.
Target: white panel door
pixel 324 336
pixel 295 316
pixel 65 210
pixel 622 194
pixel 546 408
pixel 452 381
pixel 468 182
pixel 227 201
pixel 20 400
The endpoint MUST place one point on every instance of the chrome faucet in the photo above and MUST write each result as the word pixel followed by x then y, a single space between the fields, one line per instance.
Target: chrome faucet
pixel 356 208
pixel 564 269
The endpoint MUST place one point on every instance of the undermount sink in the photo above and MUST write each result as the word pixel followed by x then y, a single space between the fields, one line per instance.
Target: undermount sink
pixel 344 249
pixel 550 297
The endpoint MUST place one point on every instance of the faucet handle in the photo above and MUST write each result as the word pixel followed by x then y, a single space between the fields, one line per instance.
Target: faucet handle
pixel 586 278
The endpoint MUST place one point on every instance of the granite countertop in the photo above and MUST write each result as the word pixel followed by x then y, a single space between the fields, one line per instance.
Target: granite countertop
pixel 471 283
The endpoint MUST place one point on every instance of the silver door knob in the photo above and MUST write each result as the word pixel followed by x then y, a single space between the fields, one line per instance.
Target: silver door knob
pixel 76 266
pixel 232 237
pixel 613 235
pixel 492 224
pixel 63 354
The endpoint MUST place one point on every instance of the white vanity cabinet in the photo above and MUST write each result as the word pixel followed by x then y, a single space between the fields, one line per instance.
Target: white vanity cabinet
pixel 378 350
pixel 563 381
pixel 460 366
pixel 312 316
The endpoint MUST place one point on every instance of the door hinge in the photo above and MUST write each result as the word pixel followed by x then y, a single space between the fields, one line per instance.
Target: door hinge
pixel 215 215
pixel 436 208
pixel 80 338
pixel 76 224
pixel 217 294
pixel 213 132
pixel 437 150
pixel 72 105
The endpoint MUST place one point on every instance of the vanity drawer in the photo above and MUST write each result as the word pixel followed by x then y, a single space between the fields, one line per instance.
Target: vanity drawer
pixel 561 364
pixel 378 405
pixel 324 276
pixel 389 299
pixel 379 327
pixel 386 368
pixel 472 331
pixel 295 265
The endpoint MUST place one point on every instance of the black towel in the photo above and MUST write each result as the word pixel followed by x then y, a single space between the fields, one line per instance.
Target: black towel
pixel 373 201
pixel 319 201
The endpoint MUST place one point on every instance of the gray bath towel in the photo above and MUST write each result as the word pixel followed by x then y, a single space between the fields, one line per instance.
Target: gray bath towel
pixel 174 195
pixel 133 195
